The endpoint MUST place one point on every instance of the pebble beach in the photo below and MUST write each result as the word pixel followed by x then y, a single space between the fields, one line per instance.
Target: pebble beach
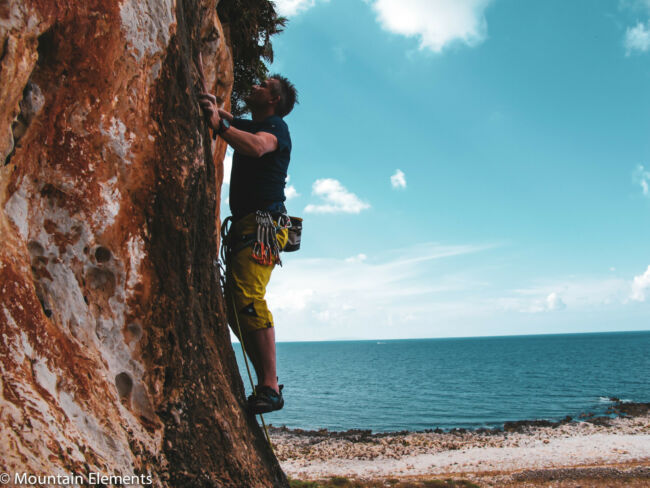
pixel 613 443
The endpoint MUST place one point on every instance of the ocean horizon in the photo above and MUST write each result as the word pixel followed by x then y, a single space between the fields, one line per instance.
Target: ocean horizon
pixel 235 342
pixel 388 385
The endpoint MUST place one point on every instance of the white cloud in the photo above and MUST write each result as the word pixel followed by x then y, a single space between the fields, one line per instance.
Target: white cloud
pixel 586 294
pixel 289 8
pixel 433 290
pixel 637 38
pixel 225 187
pixel 290 190
pixel 640 285
pixel 356 259
pixel 227 166
pixel 437 23
pixel 550 303
pixel 363 296
pixel 398 180
pixel 642 176
pixel 335 198
pixel 554 302
pixel 638 5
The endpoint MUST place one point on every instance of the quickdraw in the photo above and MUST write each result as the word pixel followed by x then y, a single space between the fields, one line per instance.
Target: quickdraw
pixel 264 242
pixel 266 249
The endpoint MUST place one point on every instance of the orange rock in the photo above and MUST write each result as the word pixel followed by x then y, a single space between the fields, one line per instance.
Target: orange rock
pixel 114 350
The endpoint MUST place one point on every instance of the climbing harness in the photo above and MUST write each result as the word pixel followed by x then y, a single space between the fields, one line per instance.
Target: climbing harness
pixel 264 241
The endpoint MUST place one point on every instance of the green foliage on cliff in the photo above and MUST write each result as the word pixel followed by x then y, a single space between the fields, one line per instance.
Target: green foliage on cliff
pixel 250 24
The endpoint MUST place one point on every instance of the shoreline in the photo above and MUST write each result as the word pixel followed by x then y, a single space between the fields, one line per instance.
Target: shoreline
pixel 618 409
pixel 541 447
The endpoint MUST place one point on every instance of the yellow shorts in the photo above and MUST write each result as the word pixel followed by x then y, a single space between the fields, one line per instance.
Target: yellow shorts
pixel 246 282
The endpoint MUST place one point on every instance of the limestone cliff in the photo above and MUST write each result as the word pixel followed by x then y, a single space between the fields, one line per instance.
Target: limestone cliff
pixel 114 351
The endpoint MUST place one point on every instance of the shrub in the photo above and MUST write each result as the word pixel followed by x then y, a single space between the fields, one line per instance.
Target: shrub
pixel 250 23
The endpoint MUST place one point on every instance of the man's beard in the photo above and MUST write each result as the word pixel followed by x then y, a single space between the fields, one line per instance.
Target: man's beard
pixel 249 103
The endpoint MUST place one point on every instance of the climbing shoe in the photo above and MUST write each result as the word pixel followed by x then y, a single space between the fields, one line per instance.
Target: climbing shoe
pixel 264 400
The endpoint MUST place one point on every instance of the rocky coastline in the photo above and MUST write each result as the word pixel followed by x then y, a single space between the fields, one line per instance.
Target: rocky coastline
pixel 617 442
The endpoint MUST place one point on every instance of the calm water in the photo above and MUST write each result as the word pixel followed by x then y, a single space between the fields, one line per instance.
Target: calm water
pixel 428 383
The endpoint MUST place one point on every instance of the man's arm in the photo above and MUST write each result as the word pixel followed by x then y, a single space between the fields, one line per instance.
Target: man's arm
pixel 253 145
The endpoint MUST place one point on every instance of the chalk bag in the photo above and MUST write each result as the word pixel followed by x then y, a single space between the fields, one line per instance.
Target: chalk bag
pixel 295 235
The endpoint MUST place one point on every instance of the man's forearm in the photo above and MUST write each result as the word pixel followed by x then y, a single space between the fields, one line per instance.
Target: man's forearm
pixel 244 142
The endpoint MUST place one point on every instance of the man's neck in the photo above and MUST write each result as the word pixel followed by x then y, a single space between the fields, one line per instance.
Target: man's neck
pixel 259 115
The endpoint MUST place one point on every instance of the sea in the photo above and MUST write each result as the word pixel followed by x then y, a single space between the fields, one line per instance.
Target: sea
pixel 420 384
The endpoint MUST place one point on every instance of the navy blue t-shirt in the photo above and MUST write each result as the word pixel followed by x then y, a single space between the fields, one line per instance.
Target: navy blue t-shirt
pixel 258 183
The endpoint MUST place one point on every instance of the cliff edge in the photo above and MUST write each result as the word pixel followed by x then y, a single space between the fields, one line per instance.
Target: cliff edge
pixel 114 350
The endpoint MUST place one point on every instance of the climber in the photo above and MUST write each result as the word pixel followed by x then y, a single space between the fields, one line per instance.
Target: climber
pixel 259 171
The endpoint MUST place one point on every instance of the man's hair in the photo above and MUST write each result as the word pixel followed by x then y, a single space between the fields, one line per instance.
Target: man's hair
pixel 287 93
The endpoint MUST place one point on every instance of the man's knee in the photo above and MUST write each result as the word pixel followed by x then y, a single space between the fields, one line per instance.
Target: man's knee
pixel 252 317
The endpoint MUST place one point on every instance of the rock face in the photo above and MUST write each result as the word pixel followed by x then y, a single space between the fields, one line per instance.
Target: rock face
pixel 114 351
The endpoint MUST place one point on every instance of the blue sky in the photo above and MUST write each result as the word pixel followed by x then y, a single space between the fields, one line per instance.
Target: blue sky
pixel 466 168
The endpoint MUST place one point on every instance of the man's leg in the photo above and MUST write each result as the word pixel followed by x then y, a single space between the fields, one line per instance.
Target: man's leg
pixel 247 280
pixel 262 353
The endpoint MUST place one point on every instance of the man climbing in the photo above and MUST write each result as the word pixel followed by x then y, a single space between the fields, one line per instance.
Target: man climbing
pixel 259 171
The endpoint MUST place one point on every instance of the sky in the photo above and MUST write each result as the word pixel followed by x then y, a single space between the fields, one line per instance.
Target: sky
pixel 465 168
